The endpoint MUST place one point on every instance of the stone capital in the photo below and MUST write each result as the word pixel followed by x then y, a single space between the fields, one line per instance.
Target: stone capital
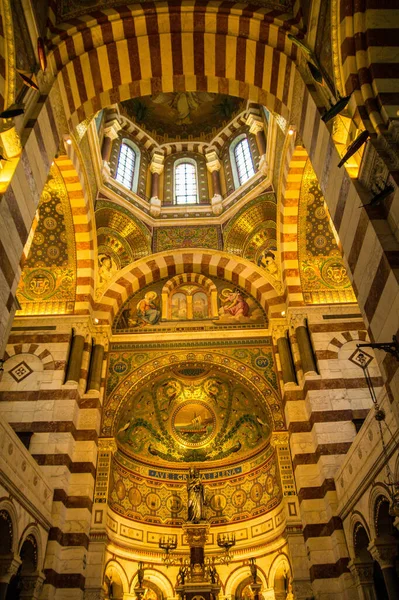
pixel 297 320
pixel 279 329
pixel 156 165
pixel 362 571
pixel 212 161
pixel 101 336
pixel 82 329
pixel 31 586
pixel 112 128
pixel 254 123
pixel 9 565
pixel 384 550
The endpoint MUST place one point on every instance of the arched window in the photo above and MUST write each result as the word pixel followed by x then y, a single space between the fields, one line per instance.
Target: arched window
pixel 127 166
pixel 186 183
pixel 243 160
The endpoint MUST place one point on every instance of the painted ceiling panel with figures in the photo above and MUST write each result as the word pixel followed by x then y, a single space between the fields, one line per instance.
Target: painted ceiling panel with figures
pixel 191 305
pixel 48 278
pixel 183 115
pixel 324 277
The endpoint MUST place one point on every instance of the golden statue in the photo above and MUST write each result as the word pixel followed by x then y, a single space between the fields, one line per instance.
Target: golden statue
pixel 196 496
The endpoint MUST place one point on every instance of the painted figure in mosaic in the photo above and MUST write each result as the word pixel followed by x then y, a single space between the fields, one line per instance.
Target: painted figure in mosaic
pixel 147 310
pixel 106 269
pixel 196 496
pixel 234 304
pixel 267 260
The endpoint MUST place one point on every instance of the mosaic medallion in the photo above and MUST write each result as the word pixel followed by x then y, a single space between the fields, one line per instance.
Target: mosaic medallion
pixel 193 424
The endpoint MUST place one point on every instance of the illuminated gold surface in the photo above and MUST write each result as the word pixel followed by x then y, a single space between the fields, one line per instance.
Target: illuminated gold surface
pixel 324 277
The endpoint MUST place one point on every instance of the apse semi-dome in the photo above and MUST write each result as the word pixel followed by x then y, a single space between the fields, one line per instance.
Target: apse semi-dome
pixel 193 414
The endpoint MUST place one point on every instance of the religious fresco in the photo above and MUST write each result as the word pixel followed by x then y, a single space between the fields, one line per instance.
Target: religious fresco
pixel 324 277
pixel 48 278
pixel 202 236
pixel 158 308
pixel 198 418
pixel 183 115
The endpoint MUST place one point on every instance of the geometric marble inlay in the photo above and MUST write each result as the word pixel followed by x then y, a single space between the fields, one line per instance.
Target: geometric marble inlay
pixel 20 371
pixel 360 358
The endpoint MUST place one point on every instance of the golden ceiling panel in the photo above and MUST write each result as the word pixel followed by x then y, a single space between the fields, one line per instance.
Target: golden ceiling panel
pixel 324 277
pixel 48 280
pixel 257 215
pixel 133 235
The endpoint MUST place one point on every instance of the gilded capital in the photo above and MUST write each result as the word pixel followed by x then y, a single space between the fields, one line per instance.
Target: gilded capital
pixel 212 161
pixel 254 123
pixel 156 165
pixel 107 445
pixel 279 438
pixel 112 128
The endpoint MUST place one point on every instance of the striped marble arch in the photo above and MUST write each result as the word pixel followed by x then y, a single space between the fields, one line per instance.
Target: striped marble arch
pixel 233 269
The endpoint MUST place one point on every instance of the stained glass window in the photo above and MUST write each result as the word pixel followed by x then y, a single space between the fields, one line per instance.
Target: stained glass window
pixel 243 158
pixel 126 164
pixel 185 184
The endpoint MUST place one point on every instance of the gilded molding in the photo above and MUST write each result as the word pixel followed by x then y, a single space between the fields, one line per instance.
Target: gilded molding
pixel 9 91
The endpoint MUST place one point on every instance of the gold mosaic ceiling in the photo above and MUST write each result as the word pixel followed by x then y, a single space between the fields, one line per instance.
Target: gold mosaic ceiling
pixel 253 229
pixel 48 278
pixel 193 414
pixel 324 277
pixel 120 235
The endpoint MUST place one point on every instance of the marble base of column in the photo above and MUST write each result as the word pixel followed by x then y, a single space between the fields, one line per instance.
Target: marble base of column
pixel 217 204
pixel 155 206
pixel 263 165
